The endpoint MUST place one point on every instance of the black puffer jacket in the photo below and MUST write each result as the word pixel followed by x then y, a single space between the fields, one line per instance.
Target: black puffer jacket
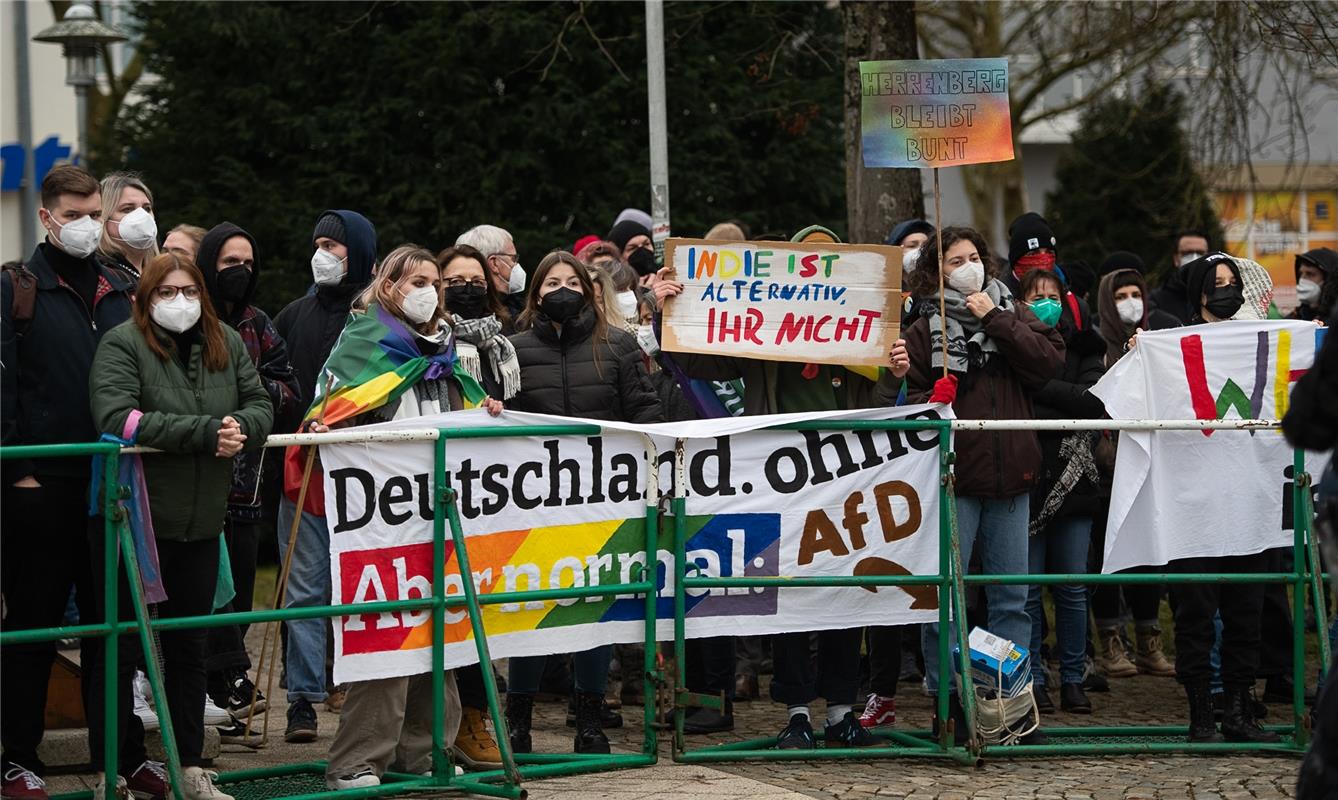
pixel 571 375
pixel 1066 396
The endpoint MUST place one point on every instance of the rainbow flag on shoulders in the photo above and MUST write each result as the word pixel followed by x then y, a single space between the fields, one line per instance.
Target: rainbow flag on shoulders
pixel 375 361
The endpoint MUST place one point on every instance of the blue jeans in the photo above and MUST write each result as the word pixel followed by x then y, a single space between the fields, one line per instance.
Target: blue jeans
pixel 308 585
pixel 1001 527
pixel 1060 548
pixel 591 668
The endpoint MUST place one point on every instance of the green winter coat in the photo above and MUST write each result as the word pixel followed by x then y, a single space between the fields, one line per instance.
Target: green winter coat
pixel 182 412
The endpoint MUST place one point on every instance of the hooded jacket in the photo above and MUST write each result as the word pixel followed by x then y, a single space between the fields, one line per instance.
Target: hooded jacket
pixel 1326 261
pixel 1066 396
pixel 44 367
pixel 1199 277
pixel 268 353
pixel 565 372
pixel 1114 330
pixel 312 323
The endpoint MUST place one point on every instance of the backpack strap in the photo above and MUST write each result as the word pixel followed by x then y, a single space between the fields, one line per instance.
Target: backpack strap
pixel 24 283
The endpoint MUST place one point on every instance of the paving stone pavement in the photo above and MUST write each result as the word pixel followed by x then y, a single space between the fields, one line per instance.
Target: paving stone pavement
pixel 1139 700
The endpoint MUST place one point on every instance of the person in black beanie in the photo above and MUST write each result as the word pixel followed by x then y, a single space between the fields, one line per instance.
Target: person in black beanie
pixel 229 260
pixel 1032 245
pixel 633 239
pixel 1122 259
pixel 345 253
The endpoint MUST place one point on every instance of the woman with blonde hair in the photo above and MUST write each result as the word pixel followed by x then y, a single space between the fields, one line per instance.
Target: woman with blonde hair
pixel 130 231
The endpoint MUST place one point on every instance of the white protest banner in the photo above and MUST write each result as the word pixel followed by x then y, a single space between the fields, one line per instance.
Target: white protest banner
pixel 1186 494
pixel 562 511
pixel 819 303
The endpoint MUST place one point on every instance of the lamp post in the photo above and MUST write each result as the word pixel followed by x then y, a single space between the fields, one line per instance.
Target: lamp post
pixel 81 36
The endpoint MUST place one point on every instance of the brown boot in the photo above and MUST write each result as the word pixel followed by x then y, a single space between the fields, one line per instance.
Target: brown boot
pixel 1113 660
pixel 474 746
pixel 1149 658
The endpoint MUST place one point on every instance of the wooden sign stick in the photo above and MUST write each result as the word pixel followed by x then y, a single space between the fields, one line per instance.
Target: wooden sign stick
pixel 938 235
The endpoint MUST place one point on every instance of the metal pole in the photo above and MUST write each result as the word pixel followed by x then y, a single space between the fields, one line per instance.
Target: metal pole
pixel 111 614
pixel 23 92
pixel 81 108
pixel 658 117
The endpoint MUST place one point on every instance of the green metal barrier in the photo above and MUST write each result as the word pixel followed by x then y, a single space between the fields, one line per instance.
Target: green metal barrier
pixel 306 780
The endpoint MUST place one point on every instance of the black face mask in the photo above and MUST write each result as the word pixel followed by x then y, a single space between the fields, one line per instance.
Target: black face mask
pixel 642 260
pixel 562 304
pixel 1224 301
pixel 233 283
pixel 467 301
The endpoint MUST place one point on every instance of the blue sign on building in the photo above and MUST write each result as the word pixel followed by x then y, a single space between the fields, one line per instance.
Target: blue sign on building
pixel 13 160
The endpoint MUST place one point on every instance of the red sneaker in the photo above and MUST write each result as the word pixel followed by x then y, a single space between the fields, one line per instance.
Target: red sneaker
pixel 149 781
pixel 21 783
pixel 879 711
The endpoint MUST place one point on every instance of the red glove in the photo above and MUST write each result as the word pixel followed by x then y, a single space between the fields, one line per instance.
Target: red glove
pixel 945 390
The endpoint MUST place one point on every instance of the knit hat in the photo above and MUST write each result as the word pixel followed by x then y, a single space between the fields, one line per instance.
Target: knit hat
pixel 583 242
pixel 1123 259
pixel 816 234
pixel 624 231
pixel 331 226
pixel 1079 277
pixel 636 215
pixel 1027 233
pixel 906 228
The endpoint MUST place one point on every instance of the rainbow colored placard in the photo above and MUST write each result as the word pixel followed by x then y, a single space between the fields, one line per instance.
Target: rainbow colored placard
pixel 935 113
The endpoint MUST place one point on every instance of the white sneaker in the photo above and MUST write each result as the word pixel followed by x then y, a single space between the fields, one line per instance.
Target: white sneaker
pixel 100 790
pixel 140 691
pixel 213 715
pixel 358 780
pixel 199 785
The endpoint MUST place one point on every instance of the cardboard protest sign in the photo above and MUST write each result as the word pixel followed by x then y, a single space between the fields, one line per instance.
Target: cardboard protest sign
pixel 818 303
pixel 541 512
pixel 935 113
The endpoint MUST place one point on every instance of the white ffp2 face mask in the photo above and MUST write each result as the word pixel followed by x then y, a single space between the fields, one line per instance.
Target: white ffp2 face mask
pixel 627 304
pixel 645 336
pixel 908 259
pixel 178 314
pixel 79 238
pixel 419 304
pixel 138 229
pixel 327 269
pixel 969 278
pixel 515 284
pixel 1130 310
pixel 1307 291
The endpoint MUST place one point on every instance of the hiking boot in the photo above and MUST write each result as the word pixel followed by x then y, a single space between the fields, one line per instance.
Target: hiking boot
pixel 361 779
pixel 849 733
pixel 1113 659
pixel 880 711
pixel 1238 721
pixel 198 784
pixel 22 783
pixel 608 718
pixel 1073 699
pixel 797 735
pixel 709 720
pixel 149 781
pixel 1202 727
pixel 474 746
pixel 1149 658
pixel 1043 702
pixel 519 709
pixel 301 722
pixel 334 700
pixel 590 737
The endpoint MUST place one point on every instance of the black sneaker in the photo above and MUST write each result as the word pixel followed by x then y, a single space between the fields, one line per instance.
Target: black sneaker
pixel 235 732
pixel 798 735
pixel 849 733
pixel 239 696
pixel 709 720
pixel 301 722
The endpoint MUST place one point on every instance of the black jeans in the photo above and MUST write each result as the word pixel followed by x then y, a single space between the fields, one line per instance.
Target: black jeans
pixel 469 682
pixel 1275 623
pixel 884 644
pixel 710 665
pixel 49 544
pixel 835 676
pixel 227 644
pixel 1144 599
pixel 1240 605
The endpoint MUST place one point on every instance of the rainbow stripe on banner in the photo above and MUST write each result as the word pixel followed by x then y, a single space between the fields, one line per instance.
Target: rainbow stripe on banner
pixel 935 113
pixel 556 557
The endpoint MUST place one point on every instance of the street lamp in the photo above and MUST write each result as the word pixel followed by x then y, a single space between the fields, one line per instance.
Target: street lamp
pixel 81 36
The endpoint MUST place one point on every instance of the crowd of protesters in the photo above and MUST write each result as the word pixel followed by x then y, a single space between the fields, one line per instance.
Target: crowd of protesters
pixel 109 333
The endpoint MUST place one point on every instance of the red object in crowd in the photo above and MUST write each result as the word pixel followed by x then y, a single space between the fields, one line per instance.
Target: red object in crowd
pixel 945 390
pixel 583 242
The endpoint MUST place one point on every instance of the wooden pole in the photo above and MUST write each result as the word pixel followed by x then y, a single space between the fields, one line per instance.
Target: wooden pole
pixel 938 237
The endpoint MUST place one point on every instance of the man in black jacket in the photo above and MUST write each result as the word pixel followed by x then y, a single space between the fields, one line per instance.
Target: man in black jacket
pixel 49 542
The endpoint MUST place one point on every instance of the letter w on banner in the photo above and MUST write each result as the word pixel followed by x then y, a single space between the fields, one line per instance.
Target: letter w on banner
pixel 1187 494
pixel 563 511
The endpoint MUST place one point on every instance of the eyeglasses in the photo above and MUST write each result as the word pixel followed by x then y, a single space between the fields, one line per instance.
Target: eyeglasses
pixel 477 283
pixel 512 256
pixel 232 262
pixel 166 292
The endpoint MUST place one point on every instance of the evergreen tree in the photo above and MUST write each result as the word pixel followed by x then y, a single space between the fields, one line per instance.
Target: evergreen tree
pixel 1127 182
pixel 433 117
